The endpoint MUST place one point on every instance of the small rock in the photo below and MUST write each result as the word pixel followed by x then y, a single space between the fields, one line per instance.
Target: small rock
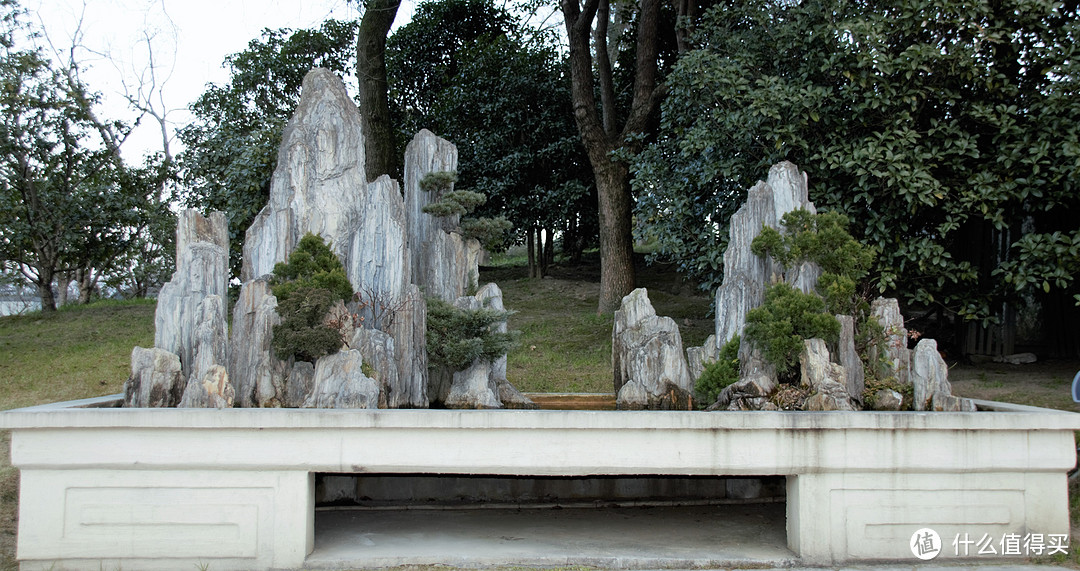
pixel 648 349
pixel 1018 359
pixel 212 391
pixel 156 379
pixel 632 396
pixel 339 382
pixel 474 388
pixel 888 399
pixel 929 374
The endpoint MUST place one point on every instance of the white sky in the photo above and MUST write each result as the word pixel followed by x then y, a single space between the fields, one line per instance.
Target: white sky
pixel 190 40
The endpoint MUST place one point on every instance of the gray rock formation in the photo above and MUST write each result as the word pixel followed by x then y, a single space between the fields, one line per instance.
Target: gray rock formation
pixel 747 275
pixel 210 390
pixel 929 375
pixel 319 181
pixel 697 357
pixel 484 383
pixel 339 382
pixel 632 396
pixel 156 379
pixel 259 378
pixel 376 348
pixel 444 264
pixel 300 384
pixel 512 398
pixel 894 350
pixel 949 403
pixel 826 379
pixel 210 342
pixel 409 331
pixel 849 358
pixel 474 387
pixel 379 261
pixel 202 270
pixel 648 349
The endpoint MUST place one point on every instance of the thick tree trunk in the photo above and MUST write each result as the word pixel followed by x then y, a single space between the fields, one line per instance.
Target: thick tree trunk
pixel 63 283
pixel 374 100
pixel 549 250
pixel 616 240
pixel 529 240
pixel 44 287
pixel 599 134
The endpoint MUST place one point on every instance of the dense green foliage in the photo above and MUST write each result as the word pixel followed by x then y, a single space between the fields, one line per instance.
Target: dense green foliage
pixel 68 202
pixel 231 147
pixel 718 374
pixel 477 75
pixel 306 288
pixel 948 132
pixel 456 337
pixel 784 321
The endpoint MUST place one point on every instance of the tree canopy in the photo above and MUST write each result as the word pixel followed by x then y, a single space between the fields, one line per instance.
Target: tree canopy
pixel 947 132
pixel 68 203
pixel 498 90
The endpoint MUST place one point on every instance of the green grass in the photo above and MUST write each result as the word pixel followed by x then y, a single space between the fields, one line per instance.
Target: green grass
pixel 74 353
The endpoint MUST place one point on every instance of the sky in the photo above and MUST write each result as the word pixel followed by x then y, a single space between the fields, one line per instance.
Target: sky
pixel 189 41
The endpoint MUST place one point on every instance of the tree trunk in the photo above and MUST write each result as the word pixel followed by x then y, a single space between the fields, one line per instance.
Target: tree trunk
pixel 616 240
pixel 371 76
pixel 529 240
pixel 600 139
pixel 63 283
pixel 541 270
pixel 549 250
pixel 87 284
pixel 44 287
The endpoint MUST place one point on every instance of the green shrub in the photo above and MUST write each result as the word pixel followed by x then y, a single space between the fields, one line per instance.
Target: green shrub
pixel 302 332
pixel 456 337
pixel 718 374
pixel 312 264
pixel 788 316
pixel 490 232
pixel 820 238
pixel 307 287
pixel 780 325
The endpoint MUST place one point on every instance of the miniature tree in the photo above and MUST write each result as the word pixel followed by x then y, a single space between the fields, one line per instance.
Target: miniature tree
pixel 307 287
pixel 453 204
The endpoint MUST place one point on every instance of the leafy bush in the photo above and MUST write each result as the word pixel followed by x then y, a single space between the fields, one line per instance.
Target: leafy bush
pixel 780 325
pixel 718 374
pixel 307 287
pixel 456 337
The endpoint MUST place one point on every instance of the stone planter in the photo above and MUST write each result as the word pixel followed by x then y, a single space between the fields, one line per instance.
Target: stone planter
pixel 173 488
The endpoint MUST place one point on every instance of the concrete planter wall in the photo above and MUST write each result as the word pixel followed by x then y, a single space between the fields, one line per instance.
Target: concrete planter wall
pixel 173 488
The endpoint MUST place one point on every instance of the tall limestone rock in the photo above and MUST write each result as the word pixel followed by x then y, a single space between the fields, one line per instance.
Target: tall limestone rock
pixel 444 262
pixel 258 376
pixel 202 272
pixel 320 187
pixel 319 180
pixel 747 275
